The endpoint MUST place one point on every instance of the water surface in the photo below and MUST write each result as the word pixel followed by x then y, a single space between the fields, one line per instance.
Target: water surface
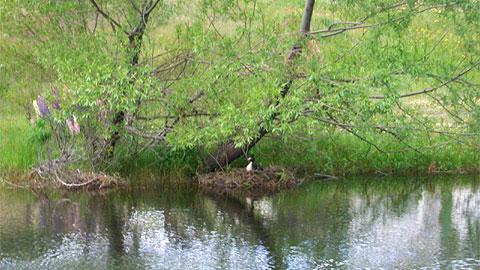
pixel 407 223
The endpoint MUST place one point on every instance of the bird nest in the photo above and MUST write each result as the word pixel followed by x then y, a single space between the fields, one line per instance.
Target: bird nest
pixel 270 180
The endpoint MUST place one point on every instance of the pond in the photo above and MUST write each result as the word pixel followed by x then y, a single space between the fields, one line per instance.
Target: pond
pixel 375 223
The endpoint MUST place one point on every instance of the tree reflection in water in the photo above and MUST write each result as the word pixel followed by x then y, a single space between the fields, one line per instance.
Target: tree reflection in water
pixel 358 223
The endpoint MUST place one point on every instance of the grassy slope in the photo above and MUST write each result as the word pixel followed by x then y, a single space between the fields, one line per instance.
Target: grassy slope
pixel 20 81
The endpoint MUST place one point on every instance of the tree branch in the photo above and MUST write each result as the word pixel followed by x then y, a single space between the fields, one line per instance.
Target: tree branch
pixel 107 17
pixel 428 90
pixel 360 25
pixel 392 127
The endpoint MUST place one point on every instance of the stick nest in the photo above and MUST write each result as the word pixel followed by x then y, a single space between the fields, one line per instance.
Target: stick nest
pixel 270 180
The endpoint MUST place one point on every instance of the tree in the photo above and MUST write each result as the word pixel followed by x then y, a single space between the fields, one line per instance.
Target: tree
pixel 223 80
pixel 229 151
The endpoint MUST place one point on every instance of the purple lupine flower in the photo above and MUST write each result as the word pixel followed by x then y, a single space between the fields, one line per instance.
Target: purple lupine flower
pixel 56 105
pixel 42 104
pixel 28 115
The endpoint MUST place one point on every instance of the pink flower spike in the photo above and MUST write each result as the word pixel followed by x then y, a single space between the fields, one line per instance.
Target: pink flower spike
pixel 70 126
pixel 76 126
pixel 36 108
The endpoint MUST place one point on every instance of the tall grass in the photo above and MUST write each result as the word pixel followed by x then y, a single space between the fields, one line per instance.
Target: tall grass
pixel 346 154
pixel 18 150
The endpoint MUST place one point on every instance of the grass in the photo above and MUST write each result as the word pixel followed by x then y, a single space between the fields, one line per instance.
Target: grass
pixel 21 80
pixel 18 151
pixel 345 154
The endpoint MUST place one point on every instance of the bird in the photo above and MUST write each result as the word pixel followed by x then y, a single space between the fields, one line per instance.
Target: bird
pixel 251 166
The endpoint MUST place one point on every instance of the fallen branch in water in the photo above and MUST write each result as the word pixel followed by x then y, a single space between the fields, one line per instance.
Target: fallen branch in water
pixel 325 176
pixel 86 181
pixel 15 185
pixel 56 172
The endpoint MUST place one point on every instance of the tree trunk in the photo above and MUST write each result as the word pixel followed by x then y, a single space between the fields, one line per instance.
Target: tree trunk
pixel 133 53
pixel 135 44
pixel 227 152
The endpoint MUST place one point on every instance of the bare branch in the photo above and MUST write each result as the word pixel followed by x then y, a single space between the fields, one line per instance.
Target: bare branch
pixel 107 17
pixel 156 71
pixel 158 136
pixel 213 26
pixel 428 90
pixel 195 114
pixel 459 80
pixel 349 130
pixel 392 127
pixel 151 8
pixel 359 25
